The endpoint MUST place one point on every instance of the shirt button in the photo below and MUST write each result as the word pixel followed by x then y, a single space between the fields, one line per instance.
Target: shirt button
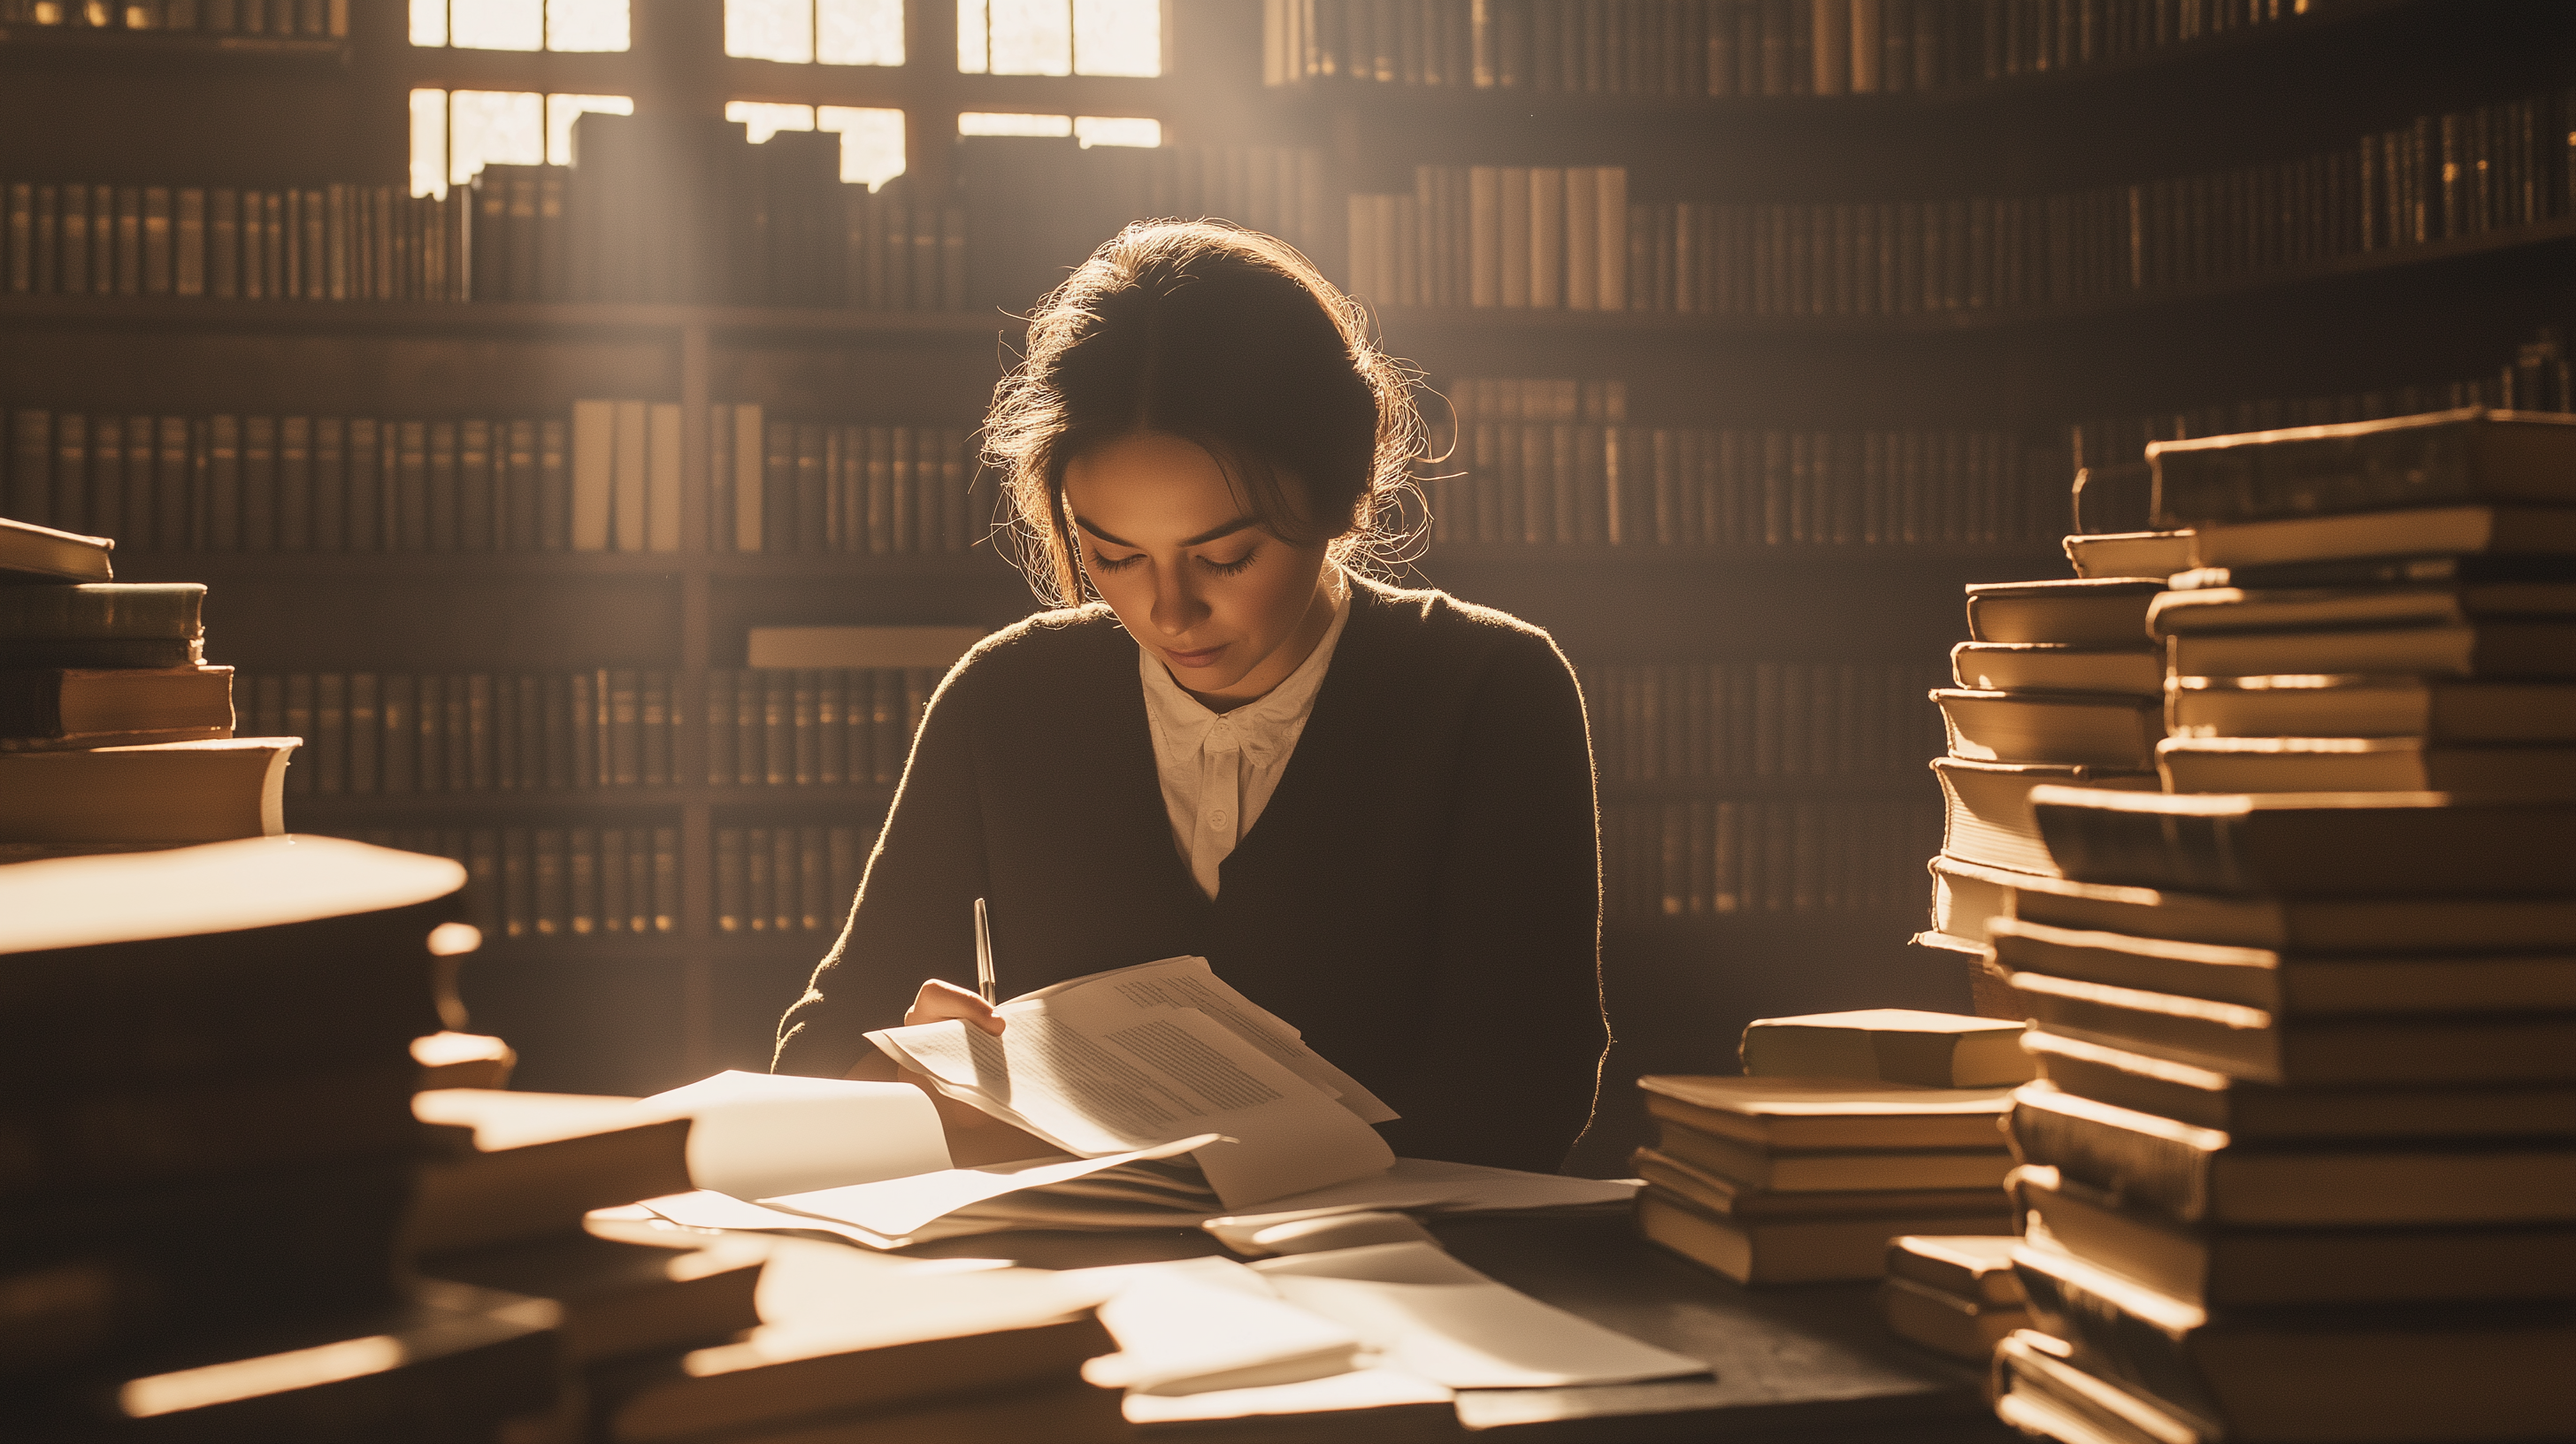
pixel 1217 818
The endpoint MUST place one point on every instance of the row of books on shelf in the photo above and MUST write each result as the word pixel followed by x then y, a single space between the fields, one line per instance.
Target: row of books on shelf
pixel 1708 721
pixel 1728 47
pixel 1513 236
pixel 1567 484
pixel 309 18
pixel 1702 857
pixel 791 486
pixel 605 479
pixel 574 882
pixel 332 242
pixel 397 733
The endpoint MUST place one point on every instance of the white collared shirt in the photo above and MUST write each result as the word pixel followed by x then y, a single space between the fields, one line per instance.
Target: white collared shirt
pixel 1219 769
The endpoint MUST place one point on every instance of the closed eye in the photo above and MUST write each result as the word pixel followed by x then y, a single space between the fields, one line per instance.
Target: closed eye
pixel 1111 564
pixel 1227 569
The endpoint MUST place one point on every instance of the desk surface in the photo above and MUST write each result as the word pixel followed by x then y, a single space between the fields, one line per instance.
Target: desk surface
pixel 1791 1364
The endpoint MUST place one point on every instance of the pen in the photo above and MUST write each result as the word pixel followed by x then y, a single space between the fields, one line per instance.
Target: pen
pixel 983 953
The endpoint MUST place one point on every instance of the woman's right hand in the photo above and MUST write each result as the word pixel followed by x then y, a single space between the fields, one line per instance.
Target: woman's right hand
pixel 938 1001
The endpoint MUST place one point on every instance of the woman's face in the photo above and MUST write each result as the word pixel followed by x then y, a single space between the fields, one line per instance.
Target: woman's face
pixel 1174 549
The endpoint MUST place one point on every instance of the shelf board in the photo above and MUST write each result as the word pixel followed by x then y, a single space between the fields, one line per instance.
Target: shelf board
pixel 1489 557
pixel 41 44
pixel 370 567
pixel 495 318
pixel 350 810
pixel 2034 88
pixel 1879 784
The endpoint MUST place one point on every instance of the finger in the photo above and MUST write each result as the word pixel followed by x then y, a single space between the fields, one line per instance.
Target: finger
pixel 939 1001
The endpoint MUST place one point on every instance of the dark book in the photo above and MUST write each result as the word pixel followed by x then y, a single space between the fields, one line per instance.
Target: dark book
pixel 2312 843
pixel 2202 1176
pixel 2403 571
pixel 2103 612
pixel 205 791
pixel 2360 705
pixel 2373 1376
pixel 1713 1192
pixel 118 1136
pixel 443 1361
pixel 521 1166
pixel 2051 667
pixel 104 708
pixel 84 1274
pixel 2155 554
pixel 2039 1392
pixel 2484 649
pixel 2228 1267
pixel 2329 924
pixel 1791 1249
pixel 620 1299
pixel 29 552
pixel 2299 983
pixel 2441 458
pixel 2363 765
pixel 2255 1113
pixel 2069 728
pixel 1826 1115
pixel 1987 809
pixel 102 610
pixel 2501 531
pixel 2301 609
pixel 219 959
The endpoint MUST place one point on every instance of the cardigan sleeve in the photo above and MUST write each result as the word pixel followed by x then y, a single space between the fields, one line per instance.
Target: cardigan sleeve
pixel 914 915
pixel 1514 1047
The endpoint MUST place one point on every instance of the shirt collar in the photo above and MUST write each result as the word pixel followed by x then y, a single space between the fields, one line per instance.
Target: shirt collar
pixel 1263 727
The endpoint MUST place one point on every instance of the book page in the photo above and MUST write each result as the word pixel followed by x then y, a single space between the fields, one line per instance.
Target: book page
pixel 1191 983
pixel 1093 1071
pixel 756 1134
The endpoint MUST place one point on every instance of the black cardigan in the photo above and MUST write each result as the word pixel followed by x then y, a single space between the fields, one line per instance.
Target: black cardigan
pixel 1421 897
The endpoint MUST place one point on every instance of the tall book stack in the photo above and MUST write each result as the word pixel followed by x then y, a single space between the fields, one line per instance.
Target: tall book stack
pixel 114 733
pixel 207 1154
pixel 2302 1162
pixel 2059 684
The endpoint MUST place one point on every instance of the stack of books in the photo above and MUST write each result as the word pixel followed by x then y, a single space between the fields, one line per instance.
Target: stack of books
pixel 2059 684
pixel 1954 1294
pixel 2302 1162
pixel 113 731
pixel 207 1153
pixel 1804 1178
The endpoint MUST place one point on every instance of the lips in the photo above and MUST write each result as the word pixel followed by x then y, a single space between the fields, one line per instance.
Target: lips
pixel 1204 657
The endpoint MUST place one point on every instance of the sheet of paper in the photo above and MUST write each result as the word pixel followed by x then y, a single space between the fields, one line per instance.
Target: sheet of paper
pixel 1358 1392
pixel 1094 1072
pixel 1191 983
pixel 754 1135
pixel 1428 1314
pixel 896 1207
pixel 1198 1325
pixel 1435 1186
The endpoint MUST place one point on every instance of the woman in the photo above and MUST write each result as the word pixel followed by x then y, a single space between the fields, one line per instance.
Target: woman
pixel 1371 810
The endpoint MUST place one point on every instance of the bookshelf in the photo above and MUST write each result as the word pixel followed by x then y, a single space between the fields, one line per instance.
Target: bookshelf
pixel 623 1011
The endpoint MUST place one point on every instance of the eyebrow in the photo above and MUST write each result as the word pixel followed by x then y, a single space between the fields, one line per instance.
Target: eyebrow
pixel 1202 539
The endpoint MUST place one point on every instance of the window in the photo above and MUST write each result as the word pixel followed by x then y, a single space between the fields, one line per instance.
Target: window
pixel 520 24
pixel 455 133
pixel 871 140
pixel 1091 129
pixel 812 32
pixel 1060 37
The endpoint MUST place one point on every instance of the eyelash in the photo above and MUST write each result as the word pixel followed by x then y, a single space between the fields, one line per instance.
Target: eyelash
pixel 1223 569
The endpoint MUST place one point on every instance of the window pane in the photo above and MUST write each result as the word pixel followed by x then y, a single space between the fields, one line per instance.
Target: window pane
pixel 497 24
pixel 586 25
pixel 858 32
pixel 770 30
pixel 871 142
pixel 1118 130
pixel 1032 37
pixel 508 126
pixel 972 56
pixel 429 142
pixel 429 27
pixel 985 122
pixel 561 110
pixel 1118 37
pixel 766 119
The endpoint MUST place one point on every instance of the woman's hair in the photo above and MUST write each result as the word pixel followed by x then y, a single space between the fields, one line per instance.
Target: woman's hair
pixel 1220 336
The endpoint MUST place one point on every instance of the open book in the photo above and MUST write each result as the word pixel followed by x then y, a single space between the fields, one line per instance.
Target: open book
pixel 1142 1057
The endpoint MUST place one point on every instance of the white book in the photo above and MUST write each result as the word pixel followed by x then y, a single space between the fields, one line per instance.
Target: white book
pixel 1612 183
pixel 662 480
pixel 1547 237
pixel 1582 238
pixel 748 478
pixel 594 446
pixel 627 481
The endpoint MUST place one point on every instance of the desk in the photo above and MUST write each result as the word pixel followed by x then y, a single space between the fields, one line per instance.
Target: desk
pixel 1808 1365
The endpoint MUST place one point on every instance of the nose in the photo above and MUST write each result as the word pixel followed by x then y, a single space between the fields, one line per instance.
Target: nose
pixel 1177 606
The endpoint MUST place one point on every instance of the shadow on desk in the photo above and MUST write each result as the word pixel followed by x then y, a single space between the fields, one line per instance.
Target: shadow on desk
pixel 1791 1364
